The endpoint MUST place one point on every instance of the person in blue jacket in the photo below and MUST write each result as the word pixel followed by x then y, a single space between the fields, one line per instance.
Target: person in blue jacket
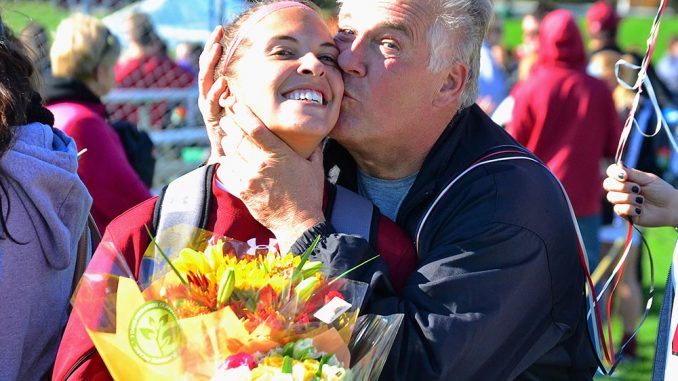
pixel 498 293
pixel 43 211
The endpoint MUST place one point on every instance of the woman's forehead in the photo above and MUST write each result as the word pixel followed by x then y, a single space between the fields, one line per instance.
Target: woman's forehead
pixel 293 22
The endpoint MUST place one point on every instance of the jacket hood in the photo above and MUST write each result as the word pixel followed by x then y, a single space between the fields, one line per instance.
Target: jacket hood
pixel 40 171
pixel 560 41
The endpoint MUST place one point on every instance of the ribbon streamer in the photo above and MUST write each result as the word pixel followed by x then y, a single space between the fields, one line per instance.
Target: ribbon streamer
pixel 642 82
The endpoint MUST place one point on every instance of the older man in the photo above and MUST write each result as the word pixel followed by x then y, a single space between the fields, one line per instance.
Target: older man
pixel 499 291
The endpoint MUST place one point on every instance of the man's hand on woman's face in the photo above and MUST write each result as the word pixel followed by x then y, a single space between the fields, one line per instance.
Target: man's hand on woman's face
pixel 282 190
pixel 210 91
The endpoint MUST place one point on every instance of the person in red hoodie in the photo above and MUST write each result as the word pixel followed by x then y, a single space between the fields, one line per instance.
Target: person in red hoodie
pixel 568 119
pixel 285 69
pixel 83 55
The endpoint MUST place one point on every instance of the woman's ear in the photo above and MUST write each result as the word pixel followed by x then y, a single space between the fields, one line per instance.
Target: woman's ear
pixel 452 86
pixel 103 81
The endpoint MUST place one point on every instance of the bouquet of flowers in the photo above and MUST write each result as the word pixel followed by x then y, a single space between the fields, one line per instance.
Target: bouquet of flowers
pixel 213 308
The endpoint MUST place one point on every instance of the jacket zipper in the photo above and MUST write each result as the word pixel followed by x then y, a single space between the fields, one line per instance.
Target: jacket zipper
pixel 77 364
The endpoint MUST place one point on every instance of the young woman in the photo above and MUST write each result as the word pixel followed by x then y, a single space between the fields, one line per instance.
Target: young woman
pixel 43 210
pixel 279 59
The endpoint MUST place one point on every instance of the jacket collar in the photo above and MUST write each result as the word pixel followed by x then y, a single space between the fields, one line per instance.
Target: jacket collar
pixel 469 135
pixel 64 89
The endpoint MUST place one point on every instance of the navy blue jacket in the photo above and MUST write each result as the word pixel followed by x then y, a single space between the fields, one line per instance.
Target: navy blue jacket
pixel 498 293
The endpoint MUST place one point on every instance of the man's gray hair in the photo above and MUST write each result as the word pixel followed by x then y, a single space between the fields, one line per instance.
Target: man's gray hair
pixel 457 35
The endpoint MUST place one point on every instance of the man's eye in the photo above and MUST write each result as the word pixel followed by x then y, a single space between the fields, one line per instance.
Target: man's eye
pixel 390 45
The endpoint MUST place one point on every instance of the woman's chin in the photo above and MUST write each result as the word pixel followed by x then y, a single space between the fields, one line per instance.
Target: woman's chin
pixel 301 143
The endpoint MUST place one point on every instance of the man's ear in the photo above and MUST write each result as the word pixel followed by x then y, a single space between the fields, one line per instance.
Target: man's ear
pixel 452 86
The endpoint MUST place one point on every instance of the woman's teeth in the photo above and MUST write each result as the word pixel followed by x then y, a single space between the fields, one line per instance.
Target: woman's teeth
pixel 306 95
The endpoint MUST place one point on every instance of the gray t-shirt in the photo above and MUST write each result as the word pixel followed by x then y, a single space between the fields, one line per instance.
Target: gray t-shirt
pixel 387 195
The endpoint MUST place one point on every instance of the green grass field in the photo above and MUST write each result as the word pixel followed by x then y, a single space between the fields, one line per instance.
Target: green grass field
pixel 661 241
pixel 633 34
pixel 17 14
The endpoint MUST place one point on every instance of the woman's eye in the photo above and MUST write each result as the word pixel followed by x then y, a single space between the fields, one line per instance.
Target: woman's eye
pixel 330 60
pixel 283 53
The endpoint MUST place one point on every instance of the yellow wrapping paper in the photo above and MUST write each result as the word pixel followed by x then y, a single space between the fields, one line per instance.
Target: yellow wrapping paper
pixel 195 348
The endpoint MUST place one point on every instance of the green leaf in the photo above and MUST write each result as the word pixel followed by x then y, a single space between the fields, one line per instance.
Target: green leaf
pixel 147 333
pixel 152 322
pixel 288 349
pixel 163 319
pixel 226 286
pixel 297 271
pixel 351 269
pixel 306 288
pixel 287 365
pixel 323 361
pixel 311 268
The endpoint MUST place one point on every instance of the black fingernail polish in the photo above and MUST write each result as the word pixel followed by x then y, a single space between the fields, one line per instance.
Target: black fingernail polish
pixel 620 174
pixel 635 189
pixel 638 211
pixel 639 200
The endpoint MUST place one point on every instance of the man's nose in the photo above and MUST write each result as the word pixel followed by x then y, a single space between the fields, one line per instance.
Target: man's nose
pixel 311 65
pixel 352 60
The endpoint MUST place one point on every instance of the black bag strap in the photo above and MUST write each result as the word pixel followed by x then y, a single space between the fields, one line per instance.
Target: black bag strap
pixel 185 200
pixel 88 242
pixel 496 153
pixel 353 214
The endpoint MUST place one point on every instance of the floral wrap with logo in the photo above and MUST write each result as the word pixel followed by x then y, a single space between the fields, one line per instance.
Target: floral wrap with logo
pixel 212 308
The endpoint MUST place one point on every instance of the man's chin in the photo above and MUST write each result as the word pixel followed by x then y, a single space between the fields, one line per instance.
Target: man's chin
pixel 344 133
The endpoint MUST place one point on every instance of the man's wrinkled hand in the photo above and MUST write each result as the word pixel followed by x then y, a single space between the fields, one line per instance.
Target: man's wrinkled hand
pixel 282 190
pixel 209 92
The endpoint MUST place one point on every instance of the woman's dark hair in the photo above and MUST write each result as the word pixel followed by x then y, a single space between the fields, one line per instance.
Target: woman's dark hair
pixel 16 89
pixel 232 29
pixel 16 95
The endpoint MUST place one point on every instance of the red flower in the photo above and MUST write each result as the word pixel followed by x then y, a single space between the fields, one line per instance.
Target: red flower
pixel 302 318
pixel 332 294
pixel 237 360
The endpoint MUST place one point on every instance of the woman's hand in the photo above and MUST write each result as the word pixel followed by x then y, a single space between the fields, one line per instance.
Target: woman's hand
pixel 644 197
pixel 210 91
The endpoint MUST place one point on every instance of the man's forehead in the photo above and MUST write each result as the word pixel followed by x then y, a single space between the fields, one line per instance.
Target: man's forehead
pixel 398 14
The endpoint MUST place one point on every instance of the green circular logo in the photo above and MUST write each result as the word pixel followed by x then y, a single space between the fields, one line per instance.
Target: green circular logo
pixel 154 333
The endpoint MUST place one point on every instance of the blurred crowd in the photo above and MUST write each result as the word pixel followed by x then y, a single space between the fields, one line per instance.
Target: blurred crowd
pixel 84 62
pixel 562 100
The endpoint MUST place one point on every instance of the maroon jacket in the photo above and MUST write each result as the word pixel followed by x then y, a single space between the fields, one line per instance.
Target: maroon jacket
pixel 566 117
pixel 228 217
pixel 104 168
